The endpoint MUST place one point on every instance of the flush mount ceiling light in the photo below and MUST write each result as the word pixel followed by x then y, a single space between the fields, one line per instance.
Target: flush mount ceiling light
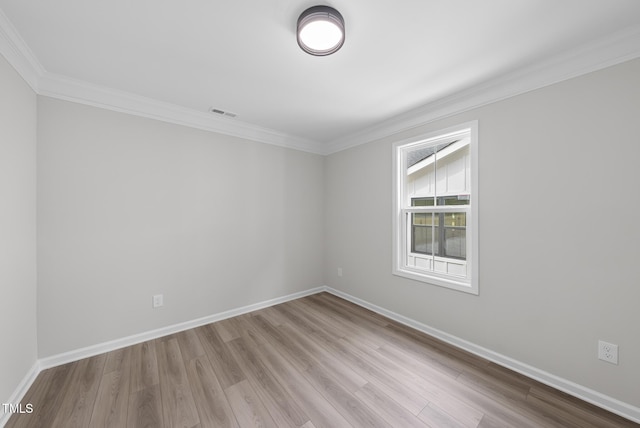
pixel 320 30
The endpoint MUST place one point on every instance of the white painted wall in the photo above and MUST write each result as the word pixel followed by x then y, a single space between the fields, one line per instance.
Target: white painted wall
pixel 17 230
pixel 556 276
pixel 130 207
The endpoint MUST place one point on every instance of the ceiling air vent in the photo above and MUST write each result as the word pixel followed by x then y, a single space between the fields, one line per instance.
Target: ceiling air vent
pixel 222 112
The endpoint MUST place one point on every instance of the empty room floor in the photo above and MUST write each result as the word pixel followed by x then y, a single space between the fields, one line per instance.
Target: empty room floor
pixel 318 361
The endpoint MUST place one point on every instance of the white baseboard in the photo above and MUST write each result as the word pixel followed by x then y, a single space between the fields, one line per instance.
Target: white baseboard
pixel 608 403
pixel 20 391
pixel 90 351
pixel 611 404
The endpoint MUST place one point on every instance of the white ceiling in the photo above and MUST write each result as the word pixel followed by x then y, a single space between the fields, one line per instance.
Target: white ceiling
pixel 399 58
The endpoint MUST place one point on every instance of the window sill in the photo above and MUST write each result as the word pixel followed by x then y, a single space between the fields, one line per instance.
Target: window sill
pixel 434 279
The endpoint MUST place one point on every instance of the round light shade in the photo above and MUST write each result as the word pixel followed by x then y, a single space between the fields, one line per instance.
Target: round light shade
pixel 320 30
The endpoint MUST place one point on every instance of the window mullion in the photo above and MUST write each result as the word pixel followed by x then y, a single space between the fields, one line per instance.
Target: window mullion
pixel 439 209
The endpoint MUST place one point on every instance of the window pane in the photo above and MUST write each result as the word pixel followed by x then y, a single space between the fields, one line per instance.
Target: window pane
pixel 426 219
pixel 455 219
pixel 422 202
pixel 421 219
pixel 421 237
pixel 422 240
pixel 455 242
pixel 454 200
pixel 442 146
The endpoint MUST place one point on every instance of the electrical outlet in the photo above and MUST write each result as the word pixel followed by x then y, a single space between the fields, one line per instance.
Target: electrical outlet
pixel 158 301
pixel 339 271
pixel 608 352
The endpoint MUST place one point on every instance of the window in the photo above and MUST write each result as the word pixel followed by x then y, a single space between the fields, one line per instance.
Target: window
pixel 435 208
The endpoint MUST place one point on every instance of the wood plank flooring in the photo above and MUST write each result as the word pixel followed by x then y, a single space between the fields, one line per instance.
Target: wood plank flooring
pixel 314 362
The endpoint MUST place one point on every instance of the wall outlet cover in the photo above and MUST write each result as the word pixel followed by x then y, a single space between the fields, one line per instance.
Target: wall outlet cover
pixel 608 352
pixel 158 301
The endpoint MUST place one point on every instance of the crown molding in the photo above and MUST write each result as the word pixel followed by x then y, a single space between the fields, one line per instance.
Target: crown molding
pixel 614 49
pixel 617 48
pixel 69 89
pixel 22 59
pixel 18 54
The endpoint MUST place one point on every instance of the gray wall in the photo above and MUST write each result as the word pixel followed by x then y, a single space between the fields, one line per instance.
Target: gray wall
pixel 558 232
pixel 17 230
pixel 130 207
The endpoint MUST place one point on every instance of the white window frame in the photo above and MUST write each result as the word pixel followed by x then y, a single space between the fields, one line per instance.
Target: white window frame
pixel 402 211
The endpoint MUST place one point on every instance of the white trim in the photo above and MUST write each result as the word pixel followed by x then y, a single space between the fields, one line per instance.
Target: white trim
pixel 20 391
pixel 22 59
pixel 18 54
pixel 90 351
pixel 616 48
pixel 68 89
pixel 611 50
pixel 468 284
pixel 601 400
pixel 596 398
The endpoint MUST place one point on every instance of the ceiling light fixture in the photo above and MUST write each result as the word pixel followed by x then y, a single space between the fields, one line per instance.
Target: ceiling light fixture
pixel 320 30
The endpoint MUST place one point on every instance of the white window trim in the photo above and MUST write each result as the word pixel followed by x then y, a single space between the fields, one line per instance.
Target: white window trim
pixel 400 247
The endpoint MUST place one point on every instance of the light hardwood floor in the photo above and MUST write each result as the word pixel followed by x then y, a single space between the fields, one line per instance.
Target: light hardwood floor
pixel 314 362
